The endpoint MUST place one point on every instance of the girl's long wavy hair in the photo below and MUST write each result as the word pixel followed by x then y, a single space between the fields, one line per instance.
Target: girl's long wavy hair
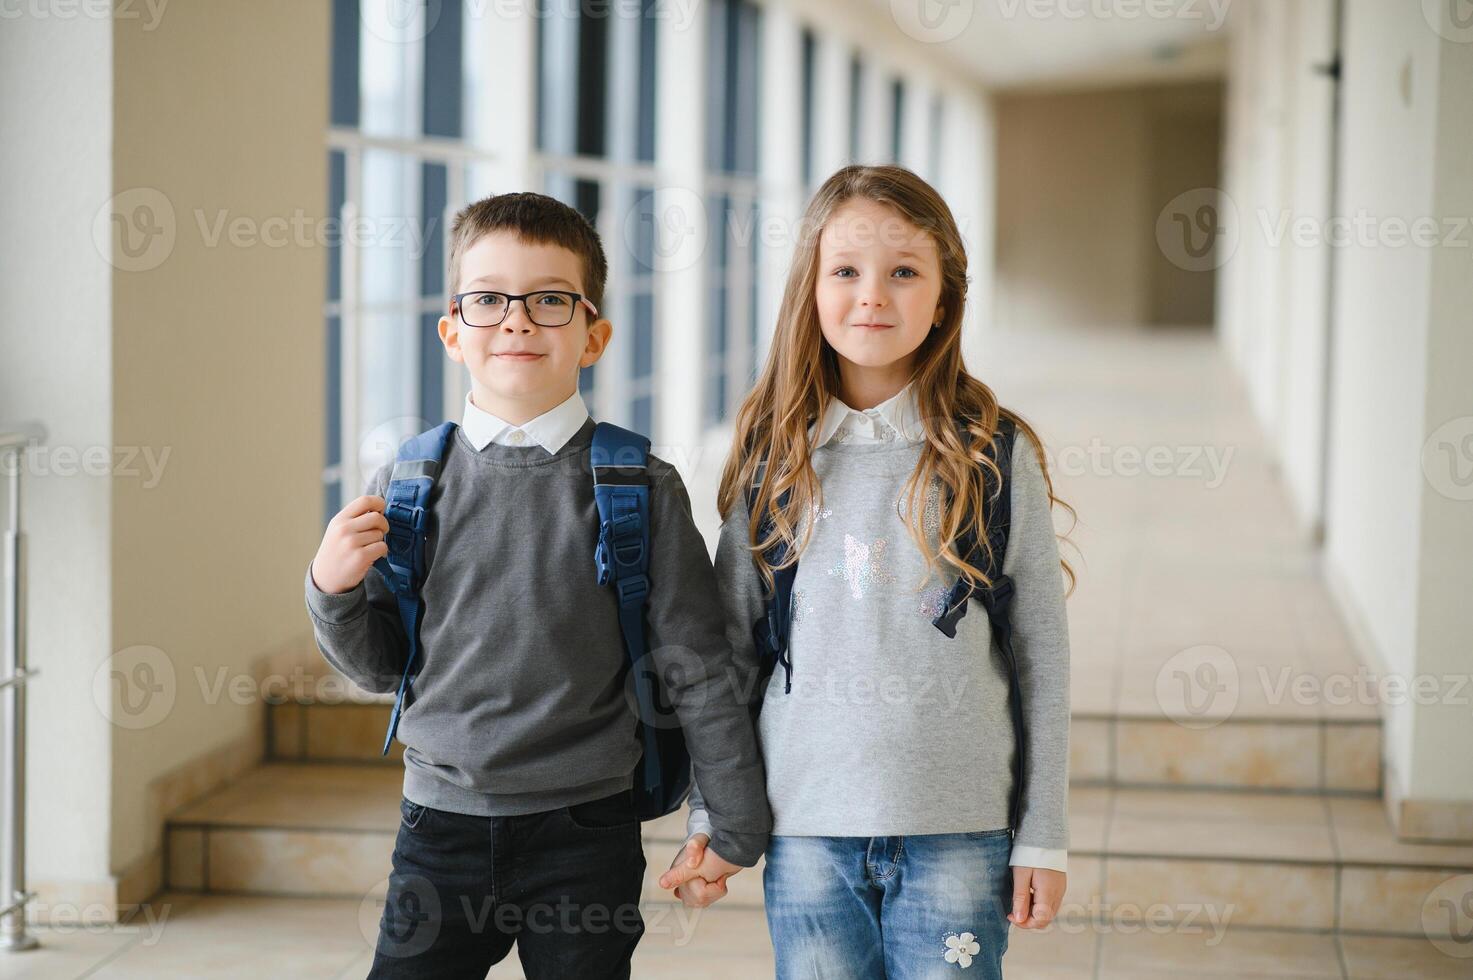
pixel 802 374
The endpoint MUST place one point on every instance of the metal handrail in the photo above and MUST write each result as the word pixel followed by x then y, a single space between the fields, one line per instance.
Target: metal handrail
pixel 14 443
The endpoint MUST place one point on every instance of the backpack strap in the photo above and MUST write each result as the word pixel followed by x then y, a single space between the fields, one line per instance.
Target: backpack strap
pixel 998 513
pixel 621 489
pixel 771 631
pixel 997 599
pixel 406 507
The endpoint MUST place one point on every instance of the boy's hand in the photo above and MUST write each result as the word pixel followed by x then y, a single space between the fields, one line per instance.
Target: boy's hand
pixel 698 874
pixel 354 540
pixel 1037 894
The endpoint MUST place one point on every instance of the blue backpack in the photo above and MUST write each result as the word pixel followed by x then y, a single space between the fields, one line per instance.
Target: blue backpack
pixel 771 632
pixel 621 489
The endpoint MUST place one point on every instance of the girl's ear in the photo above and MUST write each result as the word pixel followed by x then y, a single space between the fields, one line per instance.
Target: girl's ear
pixel 938 316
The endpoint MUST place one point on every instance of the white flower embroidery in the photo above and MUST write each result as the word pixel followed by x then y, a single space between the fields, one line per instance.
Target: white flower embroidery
pixel 961 949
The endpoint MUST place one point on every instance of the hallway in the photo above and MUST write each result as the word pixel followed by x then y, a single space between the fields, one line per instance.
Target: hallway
pixel 1221 824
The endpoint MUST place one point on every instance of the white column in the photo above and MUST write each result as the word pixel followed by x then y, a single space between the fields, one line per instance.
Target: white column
pixel 500 47
pixel 781 166
pixel 874 110
pixel 831 97
pixel 499 55
pixel 682 230
pixel 915 132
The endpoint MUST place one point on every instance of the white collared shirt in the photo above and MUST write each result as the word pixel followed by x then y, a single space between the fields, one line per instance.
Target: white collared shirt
pixel 897 417
pixel 551 430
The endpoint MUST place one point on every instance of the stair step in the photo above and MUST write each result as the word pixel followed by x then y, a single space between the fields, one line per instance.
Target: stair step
pixel 1135 751
pixel 1281 860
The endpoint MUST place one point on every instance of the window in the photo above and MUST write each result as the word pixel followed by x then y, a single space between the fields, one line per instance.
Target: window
pixel 897 113
pixel 732 205
pixel 596 143
pixel 810 67
pixel 407 91
pixel 394 83
pixel 934 138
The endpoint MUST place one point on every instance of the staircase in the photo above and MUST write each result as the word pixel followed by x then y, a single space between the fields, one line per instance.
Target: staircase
pixel 1268 821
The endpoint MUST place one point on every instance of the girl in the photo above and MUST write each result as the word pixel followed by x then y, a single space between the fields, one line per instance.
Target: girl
pixel 889 745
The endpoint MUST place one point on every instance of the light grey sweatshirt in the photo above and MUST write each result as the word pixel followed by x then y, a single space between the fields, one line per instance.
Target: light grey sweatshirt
pixel 891 728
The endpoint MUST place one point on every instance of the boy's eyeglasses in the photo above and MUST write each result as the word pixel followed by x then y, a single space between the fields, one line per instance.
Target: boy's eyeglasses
pixel 546 307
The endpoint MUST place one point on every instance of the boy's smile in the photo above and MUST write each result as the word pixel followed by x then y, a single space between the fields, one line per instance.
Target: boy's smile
pixel 520 369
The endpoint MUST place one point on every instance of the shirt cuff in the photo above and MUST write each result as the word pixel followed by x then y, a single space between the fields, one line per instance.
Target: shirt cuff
pixel 698 822
pixel 335 609
pixel 1052 858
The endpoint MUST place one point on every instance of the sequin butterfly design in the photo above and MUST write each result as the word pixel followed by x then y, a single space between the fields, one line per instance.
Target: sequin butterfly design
pixel 864 565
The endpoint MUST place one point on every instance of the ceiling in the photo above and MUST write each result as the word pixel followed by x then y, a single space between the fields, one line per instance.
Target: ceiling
pixel 1027 44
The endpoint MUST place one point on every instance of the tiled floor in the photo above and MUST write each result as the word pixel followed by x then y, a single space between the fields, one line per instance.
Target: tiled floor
pixel 217 937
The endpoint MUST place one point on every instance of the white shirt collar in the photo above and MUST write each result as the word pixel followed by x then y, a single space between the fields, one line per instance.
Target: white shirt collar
pixel 899 414
pixel 551 430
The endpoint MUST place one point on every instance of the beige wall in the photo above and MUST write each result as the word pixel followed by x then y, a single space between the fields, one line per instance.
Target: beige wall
pixel 1399 350
pixel 1081 178
pixel 218 356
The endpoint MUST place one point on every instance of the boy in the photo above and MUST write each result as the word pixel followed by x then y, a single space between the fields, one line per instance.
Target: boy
pixel 519 823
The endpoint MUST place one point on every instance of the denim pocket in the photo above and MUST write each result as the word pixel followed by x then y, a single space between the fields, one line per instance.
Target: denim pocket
pixel 980 834
pixel 614 812
pixel 411 813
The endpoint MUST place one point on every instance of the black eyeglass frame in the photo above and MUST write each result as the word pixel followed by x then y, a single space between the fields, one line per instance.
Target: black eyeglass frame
pixel 457 302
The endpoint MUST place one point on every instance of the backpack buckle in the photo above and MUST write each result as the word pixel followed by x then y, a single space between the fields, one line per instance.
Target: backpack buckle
pixel 633 590
pixel 397 513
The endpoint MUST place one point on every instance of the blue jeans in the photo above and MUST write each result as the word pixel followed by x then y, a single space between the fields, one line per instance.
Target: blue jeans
pixel 889 908
pixel 562 885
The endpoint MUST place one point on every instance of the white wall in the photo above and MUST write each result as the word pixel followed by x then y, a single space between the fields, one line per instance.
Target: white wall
pixel 1277 163
pixel 1398 358
pixel 56 366
pixel 1379 362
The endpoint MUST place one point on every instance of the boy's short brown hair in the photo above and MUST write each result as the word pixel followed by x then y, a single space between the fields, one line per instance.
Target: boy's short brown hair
pixel 535 218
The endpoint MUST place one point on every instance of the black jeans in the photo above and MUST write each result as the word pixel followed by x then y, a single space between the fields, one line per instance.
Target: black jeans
pixel 562 885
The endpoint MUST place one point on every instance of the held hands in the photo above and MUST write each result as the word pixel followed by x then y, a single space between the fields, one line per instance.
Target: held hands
pixel 698 874
pixel 1037 894
pixel 353 542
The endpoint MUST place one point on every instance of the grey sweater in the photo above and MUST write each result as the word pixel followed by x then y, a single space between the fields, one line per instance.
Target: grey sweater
pixel 891 728
pixel 519 702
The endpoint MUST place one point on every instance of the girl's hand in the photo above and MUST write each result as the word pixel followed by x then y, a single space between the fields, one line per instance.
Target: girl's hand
pixel 698 874
pixel 1037 894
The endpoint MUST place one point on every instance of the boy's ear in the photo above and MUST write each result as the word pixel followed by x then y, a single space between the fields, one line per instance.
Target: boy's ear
pixel 450 336
pixel 599 334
